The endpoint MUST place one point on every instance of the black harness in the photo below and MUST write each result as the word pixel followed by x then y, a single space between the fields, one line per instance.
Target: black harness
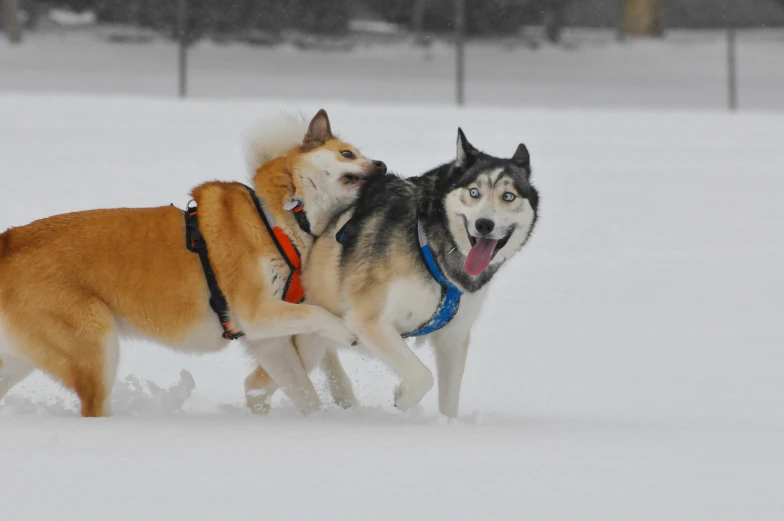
pixel 195 242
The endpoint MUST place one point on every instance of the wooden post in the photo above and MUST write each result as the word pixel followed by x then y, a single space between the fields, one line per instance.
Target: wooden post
pixel 182 19
pixel 460 50
pixel 418 21
pixel 732 78
pixel 620 27
pixel 11 23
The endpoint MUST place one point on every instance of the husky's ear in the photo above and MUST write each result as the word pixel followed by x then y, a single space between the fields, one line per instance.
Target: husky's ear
pixel 319 130
pixel 466 153
pixel 521 156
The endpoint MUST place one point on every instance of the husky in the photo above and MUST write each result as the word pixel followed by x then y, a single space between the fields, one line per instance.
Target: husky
pixel 414 258
pixel 71 285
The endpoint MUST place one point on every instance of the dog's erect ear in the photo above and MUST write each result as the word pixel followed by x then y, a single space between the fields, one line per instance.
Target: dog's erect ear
pixel 319 131
pixel 466 153
pixel 521 156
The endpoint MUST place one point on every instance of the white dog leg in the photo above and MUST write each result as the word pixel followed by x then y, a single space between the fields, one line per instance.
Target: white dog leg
pixel 315 351
pixel 385 341
pixel 339 382
pixel 281 319
pixel 451 350
pixel 280 359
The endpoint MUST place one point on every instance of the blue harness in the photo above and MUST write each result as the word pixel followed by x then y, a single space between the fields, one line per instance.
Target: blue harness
pixel 450 294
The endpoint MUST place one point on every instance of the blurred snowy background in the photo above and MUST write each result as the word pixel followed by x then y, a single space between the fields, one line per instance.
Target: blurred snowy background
pixel 555 53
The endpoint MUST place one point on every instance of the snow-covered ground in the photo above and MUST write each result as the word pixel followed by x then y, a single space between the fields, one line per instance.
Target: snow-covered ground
pixel 686 70
pixel 628 364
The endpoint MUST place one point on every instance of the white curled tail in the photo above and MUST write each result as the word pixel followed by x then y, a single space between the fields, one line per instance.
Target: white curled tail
pixel 273 138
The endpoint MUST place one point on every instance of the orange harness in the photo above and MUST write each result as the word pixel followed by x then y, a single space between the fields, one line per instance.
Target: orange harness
pixel 293 292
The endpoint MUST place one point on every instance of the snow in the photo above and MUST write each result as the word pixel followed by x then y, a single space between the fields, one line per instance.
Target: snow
pixel 627 365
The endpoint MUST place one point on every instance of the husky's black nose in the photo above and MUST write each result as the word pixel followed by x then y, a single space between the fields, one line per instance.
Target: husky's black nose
pixel 484 226
pixel 381 166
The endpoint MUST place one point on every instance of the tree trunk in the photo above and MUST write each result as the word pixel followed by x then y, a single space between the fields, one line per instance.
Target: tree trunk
pixel 554 17
pixel 11 23
pixel 418 21
pixel 644 17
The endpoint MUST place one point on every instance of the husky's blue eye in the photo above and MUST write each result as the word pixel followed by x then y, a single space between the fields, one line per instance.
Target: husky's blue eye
pixel 348 154
pixel 509 197
pixel 474 193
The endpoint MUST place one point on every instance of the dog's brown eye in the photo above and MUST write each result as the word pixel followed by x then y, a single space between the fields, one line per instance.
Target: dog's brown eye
pixel 348 154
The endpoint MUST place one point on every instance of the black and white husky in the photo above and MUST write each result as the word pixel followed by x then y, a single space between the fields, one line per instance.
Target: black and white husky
pixel 414 258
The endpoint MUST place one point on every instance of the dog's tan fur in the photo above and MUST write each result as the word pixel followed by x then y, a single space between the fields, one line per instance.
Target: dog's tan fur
pixel 71 284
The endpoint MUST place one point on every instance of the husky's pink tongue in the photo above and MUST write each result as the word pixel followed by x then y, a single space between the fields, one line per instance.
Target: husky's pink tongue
pixel 479 257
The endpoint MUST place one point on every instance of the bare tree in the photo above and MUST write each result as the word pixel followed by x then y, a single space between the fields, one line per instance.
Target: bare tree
pixel 11 23
pixel 554 12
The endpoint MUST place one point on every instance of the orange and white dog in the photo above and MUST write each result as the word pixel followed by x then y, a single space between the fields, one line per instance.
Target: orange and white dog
pixel 72 285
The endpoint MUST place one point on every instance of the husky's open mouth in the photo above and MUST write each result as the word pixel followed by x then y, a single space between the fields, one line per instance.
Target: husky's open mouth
pixel 482 252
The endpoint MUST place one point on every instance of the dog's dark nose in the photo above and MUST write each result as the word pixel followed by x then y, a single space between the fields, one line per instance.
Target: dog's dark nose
pixel 380 166
pixel 484 226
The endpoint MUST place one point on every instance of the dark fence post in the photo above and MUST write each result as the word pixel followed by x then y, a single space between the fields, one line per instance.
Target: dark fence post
pixel 11 23
pixel 460 50
pixel 732 78
pixel 182 20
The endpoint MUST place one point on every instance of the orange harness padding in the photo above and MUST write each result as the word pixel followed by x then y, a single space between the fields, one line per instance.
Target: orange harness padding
pixel 293 292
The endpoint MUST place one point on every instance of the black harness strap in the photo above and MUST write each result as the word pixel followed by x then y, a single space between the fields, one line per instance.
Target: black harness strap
pixel 293 291
pixel 301 217
pixel 195 243
pixel 268 226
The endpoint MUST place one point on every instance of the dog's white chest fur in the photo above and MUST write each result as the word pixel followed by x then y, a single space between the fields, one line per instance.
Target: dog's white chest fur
pixel 276 273
pixel 411 303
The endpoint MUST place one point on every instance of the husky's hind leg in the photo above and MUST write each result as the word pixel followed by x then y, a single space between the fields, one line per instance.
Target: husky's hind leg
pixel 339 382
pixel 315 351
pixel 312 350
pixel 279 360
pixel 259 388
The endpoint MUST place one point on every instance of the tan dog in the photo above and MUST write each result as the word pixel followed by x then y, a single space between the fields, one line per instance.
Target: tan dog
pixel 72 284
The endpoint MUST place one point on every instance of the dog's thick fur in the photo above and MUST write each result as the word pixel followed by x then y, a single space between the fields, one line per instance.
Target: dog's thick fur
pixel 379 283
pixel 72 284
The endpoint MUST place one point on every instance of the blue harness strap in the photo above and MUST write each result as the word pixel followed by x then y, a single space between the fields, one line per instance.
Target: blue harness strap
pixel 450 294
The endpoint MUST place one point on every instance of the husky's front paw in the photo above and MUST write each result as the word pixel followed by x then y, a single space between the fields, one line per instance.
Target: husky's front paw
pixel 410 393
